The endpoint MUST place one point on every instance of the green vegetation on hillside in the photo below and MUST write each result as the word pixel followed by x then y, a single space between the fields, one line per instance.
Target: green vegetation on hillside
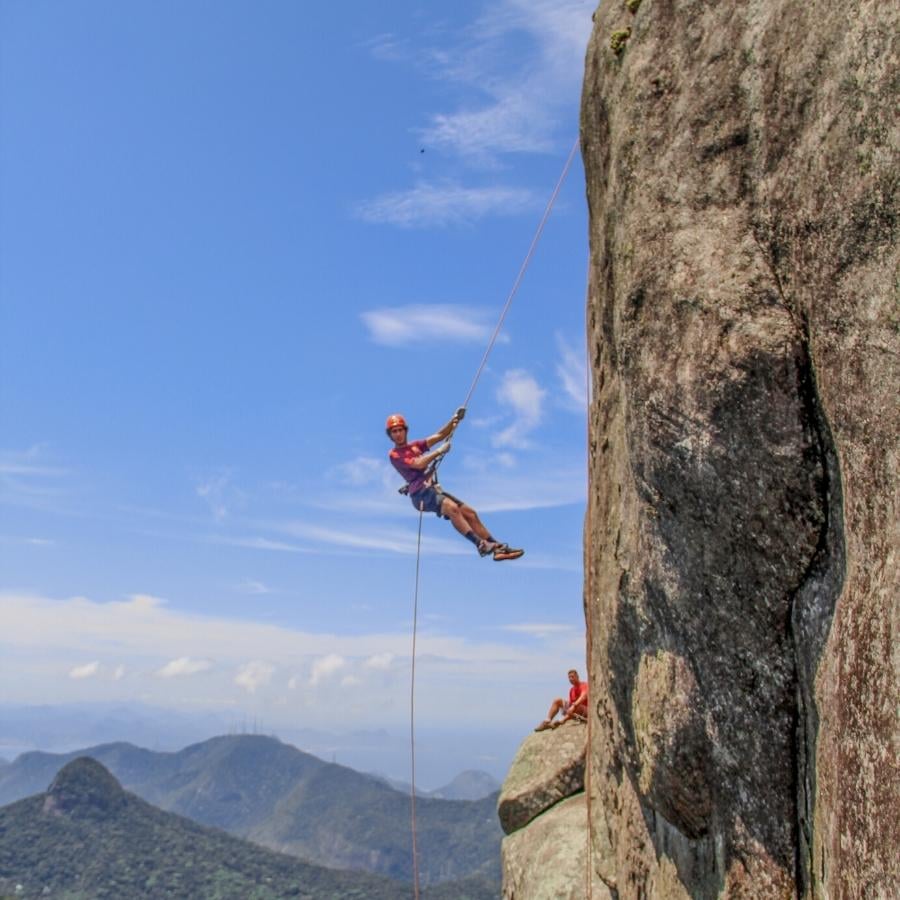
pixel 87 839
pixel 258 788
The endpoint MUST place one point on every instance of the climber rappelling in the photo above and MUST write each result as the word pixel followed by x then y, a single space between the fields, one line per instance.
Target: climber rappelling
pixel 417 463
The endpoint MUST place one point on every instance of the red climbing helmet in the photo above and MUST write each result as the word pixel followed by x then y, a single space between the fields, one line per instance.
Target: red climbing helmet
pixel 394 421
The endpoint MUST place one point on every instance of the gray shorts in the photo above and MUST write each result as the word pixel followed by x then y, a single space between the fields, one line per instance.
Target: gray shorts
pixel 431 499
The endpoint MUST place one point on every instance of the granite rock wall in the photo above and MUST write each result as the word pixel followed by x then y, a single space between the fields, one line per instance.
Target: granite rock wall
pixel 742 535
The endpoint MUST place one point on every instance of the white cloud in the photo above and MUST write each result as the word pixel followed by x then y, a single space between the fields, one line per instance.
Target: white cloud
pixel 427 205
pixel 255 543
pixel 88 670
pixel 119 673
pixel 219 494
pixel 27 480
pixel 326 666
pixel 378 538
pixel 253 675
pixel 41 634
pixel 364 471
pixel 380 661
pixel 13 468
pixel 350 681
pixel 400 325
pixel 572 372
pixel 145 602
pixel 30 541
pixel 387 47
pixel 184 665
pixel 539 629
pixel 248 586
pixel 522 63
pixel 521 393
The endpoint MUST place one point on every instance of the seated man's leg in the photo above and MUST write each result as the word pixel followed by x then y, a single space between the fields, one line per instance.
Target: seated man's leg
pixel 556 706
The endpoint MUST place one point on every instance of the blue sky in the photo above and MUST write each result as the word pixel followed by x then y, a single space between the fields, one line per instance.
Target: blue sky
pixel 234 237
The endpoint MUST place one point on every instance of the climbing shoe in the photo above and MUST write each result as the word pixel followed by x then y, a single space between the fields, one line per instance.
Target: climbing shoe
pixel 486 548
pixel 504 551
pixel 544 725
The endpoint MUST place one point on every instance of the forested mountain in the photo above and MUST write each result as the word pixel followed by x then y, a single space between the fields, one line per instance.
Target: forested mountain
pixel 273 794
pixel 86 837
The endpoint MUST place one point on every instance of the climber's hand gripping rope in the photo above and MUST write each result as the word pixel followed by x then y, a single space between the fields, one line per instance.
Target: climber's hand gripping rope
pixel 445 448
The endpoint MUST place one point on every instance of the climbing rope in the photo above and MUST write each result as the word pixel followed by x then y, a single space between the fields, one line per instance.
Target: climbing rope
pixel 412 693
pixel 412 709
pixel 589 595
pixel 524 266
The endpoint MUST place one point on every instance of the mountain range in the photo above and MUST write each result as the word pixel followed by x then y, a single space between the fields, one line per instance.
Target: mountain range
pixel 472 784
pixel 261 789
pixel 86 837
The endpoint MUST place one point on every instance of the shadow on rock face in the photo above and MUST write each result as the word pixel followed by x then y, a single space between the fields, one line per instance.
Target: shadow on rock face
pixel 711 671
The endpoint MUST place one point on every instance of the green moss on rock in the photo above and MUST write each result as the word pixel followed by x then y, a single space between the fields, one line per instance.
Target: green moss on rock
pixel 618 39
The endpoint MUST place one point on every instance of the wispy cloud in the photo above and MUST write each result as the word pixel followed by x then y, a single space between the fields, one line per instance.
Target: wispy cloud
pixel 326 666
pixel 29 541
pixel 248 659
pixel 520 65
pixel 523 396
pixel 572 372
pixel 445 204
pixel 539 629
pixel 255 543
pixel 387 47
pixel 28 479
pixel 381 661
pixel 524 61
pixel 248 586
pixel 184 665
pixel 377 538
pixel 88 670
pixel 399 325
pixel 364 471
pixel 220 494
pixel 254 675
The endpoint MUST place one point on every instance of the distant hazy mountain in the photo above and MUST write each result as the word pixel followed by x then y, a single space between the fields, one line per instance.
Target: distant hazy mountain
pixel 469 785
pixel 65 727
pixel 443 752
pixel 88 838
pixel 271 793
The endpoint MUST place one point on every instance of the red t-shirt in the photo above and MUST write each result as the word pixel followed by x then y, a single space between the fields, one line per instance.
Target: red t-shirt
pixel 400 458
pixel 578 689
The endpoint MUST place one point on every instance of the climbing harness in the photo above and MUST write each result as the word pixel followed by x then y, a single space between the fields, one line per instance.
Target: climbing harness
pixel 432 470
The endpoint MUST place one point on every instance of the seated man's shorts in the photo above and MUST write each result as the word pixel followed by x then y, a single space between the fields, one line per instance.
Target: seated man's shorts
pixel 431 498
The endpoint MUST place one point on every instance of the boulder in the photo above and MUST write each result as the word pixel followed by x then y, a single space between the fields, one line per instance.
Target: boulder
pixel 548 767
pixel 547 860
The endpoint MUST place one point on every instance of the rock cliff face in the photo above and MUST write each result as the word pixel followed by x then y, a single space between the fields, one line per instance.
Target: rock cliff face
pixel 742 534
pixel 543 811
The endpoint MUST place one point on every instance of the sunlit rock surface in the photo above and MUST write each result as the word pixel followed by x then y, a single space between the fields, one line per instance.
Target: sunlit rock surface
pixel 742 534
pixel 548 859
pixel 548 766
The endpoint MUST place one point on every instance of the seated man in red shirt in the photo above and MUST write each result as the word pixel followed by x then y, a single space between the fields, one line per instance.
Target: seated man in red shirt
pixel 413 461
pixel 576 707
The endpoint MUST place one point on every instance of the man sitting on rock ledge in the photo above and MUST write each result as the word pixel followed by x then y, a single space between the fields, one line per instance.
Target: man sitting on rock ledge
pixel 573 709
